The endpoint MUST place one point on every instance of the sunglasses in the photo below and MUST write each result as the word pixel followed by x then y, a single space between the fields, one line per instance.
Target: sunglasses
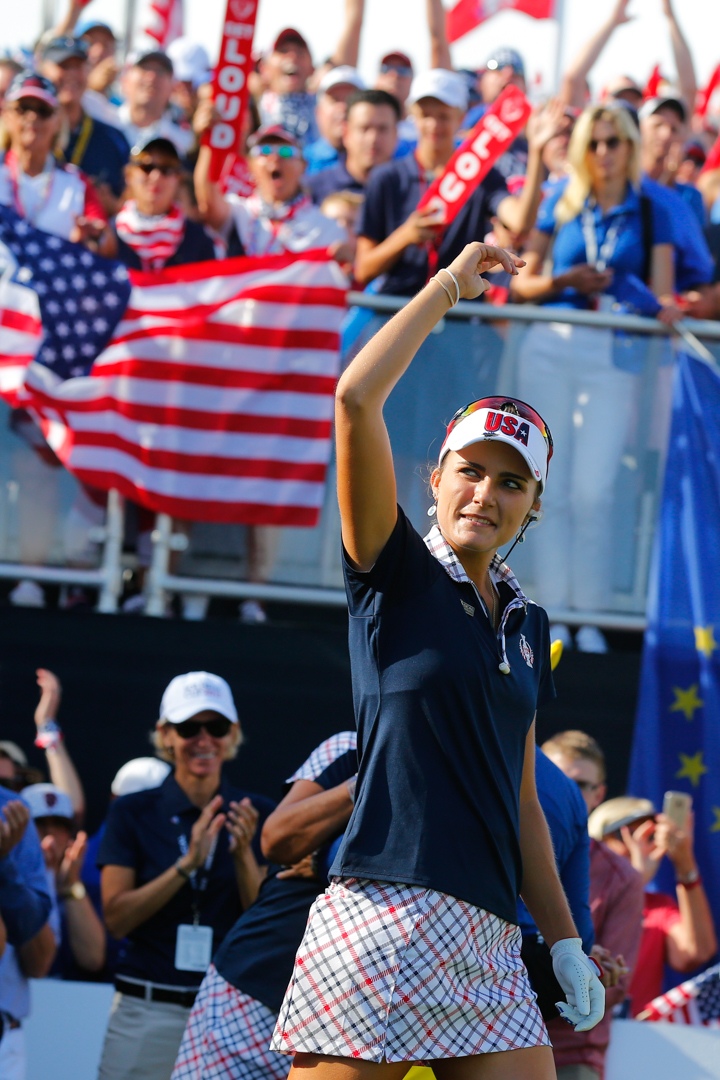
pixel 282 151
pixel 402 70
pixel 39 108
pixel 587 785
pixel 612 143
pixel 149 167
pixel 217 728
pixel 501 404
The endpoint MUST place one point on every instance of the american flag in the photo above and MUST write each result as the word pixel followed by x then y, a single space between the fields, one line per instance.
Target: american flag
pixel 204 391
pixel 696 1001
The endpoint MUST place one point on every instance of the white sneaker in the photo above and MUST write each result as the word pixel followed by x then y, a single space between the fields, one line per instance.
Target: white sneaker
pixel 591 639
pixel 561 632
pixel 252 611
pixel 194 606
pixel 27 594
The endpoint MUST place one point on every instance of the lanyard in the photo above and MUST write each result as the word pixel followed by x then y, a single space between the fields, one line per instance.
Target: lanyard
pixel 198 878
pixel 598 259
pixel 14 172
pixel 83 139
pixel 432 247
pixel 256 207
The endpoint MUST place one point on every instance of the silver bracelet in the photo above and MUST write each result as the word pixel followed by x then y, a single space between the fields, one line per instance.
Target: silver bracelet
pixel 445 270
pixel 445 289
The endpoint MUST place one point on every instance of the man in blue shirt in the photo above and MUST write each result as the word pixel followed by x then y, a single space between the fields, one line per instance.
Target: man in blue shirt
pixel 334 92
pixel 25 905
pixel 99 150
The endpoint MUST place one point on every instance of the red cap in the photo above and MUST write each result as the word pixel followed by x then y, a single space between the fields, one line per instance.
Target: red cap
pixel 289 34
pixel 396 55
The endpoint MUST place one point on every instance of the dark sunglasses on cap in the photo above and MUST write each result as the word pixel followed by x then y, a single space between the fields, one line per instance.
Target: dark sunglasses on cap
pixel 505 404
pixel 400 69
pixel 612 143
pixel 217 728
pixel 31 105
pixel 283 150
pixel 149 167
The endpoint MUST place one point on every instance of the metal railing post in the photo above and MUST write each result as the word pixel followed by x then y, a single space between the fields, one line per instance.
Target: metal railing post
pixel 111 567
pixel 155 593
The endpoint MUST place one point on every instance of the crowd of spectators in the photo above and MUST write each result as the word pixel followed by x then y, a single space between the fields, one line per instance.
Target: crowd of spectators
pixel 604 194
pixel 192 896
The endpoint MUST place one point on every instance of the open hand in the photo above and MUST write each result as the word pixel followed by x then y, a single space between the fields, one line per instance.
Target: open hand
pixel 72 862
pixel 204 835
pixel 545 123
pixel 242 822
pixel 50 695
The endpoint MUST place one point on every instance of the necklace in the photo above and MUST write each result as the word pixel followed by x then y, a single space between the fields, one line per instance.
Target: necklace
pixel 493 590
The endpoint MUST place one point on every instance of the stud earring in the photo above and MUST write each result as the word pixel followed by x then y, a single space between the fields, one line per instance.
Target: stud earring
pixel 432 510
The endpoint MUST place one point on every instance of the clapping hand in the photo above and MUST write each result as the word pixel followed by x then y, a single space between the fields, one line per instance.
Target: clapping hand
pixel 50 695
pixel 204 836
pixel 14 818
pixel 242 822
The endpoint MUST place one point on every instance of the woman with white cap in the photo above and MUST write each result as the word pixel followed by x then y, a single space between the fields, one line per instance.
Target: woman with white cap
pixel 180 862
pixel 413 953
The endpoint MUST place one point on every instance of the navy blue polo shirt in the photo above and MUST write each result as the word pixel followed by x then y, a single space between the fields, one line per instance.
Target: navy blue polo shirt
pixel 331 179
pixel 441 731
pixel 258 954
pixel 105 155
pixel 566 814
pixel 627 255
pixel 693 261
pixel 145 832
pixel 393 192
pixel 196 246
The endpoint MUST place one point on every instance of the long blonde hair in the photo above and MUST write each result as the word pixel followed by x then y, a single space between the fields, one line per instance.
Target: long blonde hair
pixel 579 186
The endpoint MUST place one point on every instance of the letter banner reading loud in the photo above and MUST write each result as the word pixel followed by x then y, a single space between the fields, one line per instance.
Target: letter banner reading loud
pixel 472 161
pixel 230 85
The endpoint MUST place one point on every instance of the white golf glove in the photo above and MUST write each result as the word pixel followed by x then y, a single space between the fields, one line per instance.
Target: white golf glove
pixel 578 977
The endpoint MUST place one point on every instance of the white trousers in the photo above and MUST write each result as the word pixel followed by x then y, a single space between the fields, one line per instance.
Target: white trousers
pixel 12 1054
pixel 567 374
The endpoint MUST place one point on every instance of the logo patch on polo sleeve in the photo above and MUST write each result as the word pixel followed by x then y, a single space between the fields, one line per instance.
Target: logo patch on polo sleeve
pixel 526 652
pixel 469 609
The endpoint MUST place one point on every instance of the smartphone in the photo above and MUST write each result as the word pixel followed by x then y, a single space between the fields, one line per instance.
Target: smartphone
pixel 677 806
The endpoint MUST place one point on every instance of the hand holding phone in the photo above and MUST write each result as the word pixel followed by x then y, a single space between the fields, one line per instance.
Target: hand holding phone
pixel 677 806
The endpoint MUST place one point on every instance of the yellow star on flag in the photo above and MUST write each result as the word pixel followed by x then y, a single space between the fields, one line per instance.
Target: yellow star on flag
pixel 705 642
pixel 692 769
pixel 686 701
pixel 715 827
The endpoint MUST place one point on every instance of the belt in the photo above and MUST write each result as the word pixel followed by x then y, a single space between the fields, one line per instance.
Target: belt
pixel 8 1023
pixel 151 992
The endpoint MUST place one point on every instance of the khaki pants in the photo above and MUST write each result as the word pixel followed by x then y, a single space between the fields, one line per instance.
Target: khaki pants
pixel 578 1072
pixel 142 1039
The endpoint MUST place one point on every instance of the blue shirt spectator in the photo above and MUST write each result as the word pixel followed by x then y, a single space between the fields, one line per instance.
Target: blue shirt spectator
pixel 101 151
pixel 24 891
pixel 327 182
pixel 693 261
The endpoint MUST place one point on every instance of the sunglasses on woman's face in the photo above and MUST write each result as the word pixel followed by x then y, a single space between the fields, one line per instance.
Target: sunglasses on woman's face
pixel 149 167
pixel 501 404
pixel 610 144
pixel 217 728
pixel 39 108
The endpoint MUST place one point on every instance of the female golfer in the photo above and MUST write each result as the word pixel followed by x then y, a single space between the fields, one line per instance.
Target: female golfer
pixel 413 953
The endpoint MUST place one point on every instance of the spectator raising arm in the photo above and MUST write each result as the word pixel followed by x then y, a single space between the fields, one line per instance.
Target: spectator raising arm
pixel 50 739
pixel 573 89
pixel 347 50
pixel 439 47
pixel 24 899
pixel 683 58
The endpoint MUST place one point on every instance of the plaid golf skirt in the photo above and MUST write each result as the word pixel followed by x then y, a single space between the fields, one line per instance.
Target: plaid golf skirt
pixel 403 973
pixel 228 1036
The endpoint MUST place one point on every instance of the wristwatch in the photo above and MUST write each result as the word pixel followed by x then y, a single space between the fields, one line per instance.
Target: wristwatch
pixel 74 892
pixel 690 878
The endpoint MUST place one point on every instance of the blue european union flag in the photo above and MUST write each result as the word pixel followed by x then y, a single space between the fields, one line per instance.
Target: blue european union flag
pixel 677 734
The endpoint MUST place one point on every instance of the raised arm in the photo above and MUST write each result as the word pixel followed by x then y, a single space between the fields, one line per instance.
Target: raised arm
pixel 572 89
pixel 60 765
pixel 437 28
pixel 347 49
pixel 366 480
pixel 307 817
pixel 518 212
pixel 212 205
pixel 683 58
pixel 66 25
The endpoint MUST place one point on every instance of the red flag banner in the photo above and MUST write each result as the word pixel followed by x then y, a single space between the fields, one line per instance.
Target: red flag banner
pixel 493 134
pixel 163 21
pixel 467 14
pixel 652 86
pixel 704 95
pixel 230 85
pixel 212 401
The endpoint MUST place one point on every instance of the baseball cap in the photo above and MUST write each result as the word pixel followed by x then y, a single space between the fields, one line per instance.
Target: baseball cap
pixel 507 420
pixel 613 815
pixel 401 56
pixel 46 800
pixel 30 84
pixel 621 84
pixel 446 86
pixel 289 34
pixel 89 25
pixel 190 61
pixel 155 142
pixel 140 57
pixel 651 106
pixel 139 774
pixel 339 76
pixel 60 49
pixel 12 750
pixel 505 57
pixel 192 693
pixel 272 131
